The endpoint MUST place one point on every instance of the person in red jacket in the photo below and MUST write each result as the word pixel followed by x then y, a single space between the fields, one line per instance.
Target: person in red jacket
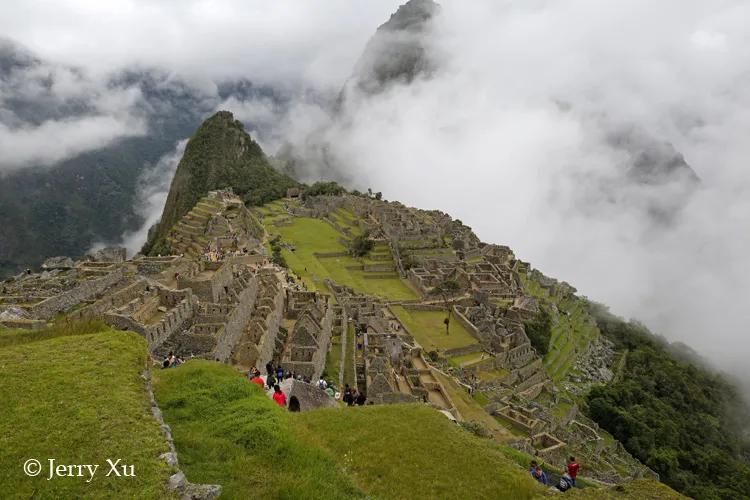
pixel 573 468
pixel 279 396
pixel 256 379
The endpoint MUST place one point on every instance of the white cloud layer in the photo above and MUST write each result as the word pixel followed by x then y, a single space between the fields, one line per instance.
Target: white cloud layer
pixel 269 41
pixel 511 136
pixel 153 188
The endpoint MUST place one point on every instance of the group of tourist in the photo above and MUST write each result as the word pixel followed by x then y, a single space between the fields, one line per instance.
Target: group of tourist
pixel 171 361
pixel 328 388
pixel 278 374
pixel 353 397
pixel 567 480
pixel 275 375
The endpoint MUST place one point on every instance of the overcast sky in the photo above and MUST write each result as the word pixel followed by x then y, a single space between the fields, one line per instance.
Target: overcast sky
pixel 509 135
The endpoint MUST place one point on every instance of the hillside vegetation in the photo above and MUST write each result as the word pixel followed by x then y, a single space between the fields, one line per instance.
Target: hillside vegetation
pixel 681 420
pixel 228 431
pixel 78 399
pixel 219 155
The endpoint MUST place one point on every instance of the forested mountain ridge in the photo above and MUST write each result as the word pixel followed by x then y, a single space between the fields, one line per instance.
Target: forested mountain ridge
pixel 219 155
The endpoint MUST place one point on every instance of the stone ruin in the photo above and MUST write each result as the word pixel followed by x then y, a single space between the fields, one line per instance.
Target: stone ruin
pixel 389 367
pixel 218 298
pixel 31 299
pixel 308 341
pixel 308 396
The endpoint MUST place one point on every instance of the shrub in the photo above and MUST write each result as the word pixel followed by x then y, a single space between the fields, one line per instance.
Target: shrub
pixel 539 331
pixel 361 244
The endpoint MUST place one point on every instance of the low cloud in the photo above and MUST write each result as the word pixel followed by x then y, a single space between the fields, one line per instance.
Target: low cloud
pixel 50 112
pixel 153 188
pixel 513 134
pixel 56 140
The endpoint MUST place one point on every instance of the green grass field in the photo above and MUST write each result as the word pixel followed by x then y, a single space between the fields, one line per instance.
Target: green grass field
pixel 310 236
pixel 333 360
pixel 228 432
pixel 9 337
pixel 471 408
pixel 466 359
pixel 79 400
pixel 428 329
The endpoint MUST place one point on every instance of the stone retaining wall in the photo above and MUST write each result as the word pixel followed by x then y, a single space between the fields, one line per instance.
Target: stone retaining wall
pixel 236 322
pixel 323 255
pixel 85 290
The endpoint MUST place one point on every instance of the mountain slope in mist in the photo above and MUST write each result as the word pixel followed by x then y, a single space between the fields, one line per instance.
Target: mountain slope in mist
pixel 219 155
pixel 397 51
pixel 76 149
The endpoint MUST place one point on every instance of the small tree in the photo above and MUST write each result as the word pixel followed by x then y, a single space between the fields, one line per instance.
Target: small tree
pixel 361 244
pixel 539 331
pixel 446 289
pixel 276 256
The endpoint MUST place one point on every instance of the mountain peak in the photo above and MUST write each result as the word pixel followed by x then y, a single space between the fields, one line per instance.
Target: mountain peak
pixel 220 155
pixel 398 50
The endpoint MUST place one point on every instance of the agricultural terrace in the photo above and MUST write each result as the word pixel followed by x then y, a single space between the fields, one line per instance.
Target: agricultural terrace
pixel 310 236
pixel 572 330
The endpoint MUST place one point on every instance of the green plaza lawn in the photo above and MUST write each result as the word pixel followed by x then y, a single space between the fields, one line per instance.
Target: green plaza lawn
pixel 310 236
pixel 428 329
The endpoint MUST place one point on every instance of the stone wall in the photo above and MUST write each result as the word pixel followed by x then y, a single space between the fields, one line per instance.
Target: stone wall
pixel 236 322
pixel 112 300
pixel 310 361
pixel 154 265
pixel 173 321
pixel 467 324
pixel 209 289
pixel 84 291
pixel 256 345
pixel 309 396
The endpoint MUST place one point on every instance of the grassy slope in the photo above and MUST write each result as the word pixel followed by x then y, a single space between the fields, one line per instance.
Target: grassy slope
pixel 228 432
pixel 428 329
pixel 79 400
pixel 311 236
pixel 471 410
pixel 642 489
pixel 20 336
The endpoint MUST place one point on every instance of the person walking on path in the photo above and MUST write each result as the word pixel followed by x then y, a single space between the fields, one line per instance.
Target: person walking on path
pixel 279 396
pixel 256 379
pixel 573 468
